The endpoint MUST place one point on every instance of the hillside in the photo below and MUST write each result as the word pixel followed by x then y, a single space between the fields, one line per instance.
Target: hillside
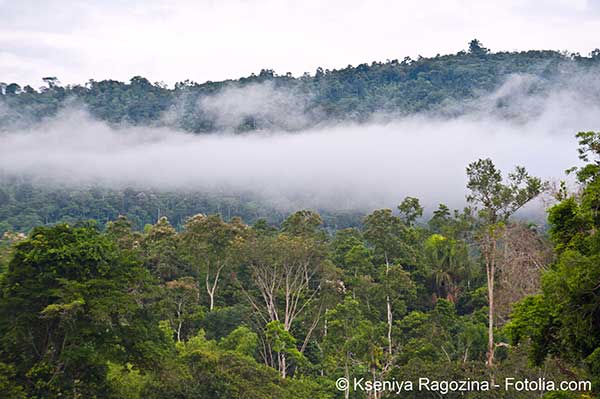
pixel 354 93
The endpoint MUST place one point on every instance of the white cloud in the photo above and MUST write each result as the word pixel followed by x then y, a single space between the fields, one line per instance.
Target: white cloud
pixel 343 166
pixel 272 106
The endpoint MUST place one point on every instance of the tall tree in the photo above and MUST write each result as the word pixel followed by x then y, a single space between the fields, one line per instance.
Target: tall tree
pixel 161 250
pixel 181 303
pixel 209 242
pixel 391 241
pixel 285 275
pixel 349 344
pixel 497 200
pixel 410 210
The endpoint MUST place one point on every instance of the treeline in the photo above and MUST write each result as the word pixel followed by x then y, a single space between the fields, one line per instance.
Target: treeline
pixel 26 203
pixel 223 309
pixel 351 93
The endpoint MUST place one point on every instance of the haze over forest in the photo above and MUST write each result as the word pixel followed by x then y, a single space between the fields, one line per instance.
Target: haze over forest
pixel 352 139
pixel 282 235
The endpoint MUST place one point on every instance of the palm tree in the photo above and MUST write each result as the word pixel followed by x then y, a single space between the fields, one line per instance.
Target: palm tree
pixel 448 264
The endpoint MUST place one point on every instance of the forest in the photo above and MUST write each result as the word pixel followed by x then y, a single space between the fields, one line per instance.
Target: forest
pixel 357 93
pixel 440 87
pixel 118 292
pixel 223 309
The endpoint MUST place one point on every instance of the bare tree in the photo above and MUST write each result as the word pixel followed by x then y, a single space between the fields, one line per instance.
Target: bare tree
pixel 525 254
pixel 285 280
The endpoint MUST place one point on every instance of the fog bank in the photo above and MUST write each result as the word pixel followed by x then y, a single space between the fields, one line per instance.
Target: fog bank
pixel 343 166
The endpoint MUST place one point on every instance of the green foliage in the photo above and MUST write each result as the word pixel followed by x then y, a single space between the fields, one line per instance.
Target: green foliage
pixel 500 200
pixel 390 238
pixel 350 344
pixel 124 313
pixel 448 265
pixel 410 210
pixel 125 381
pixel 241 340
pixel 302 223
pixel 564 320
pixel 26 204
pixel 66 310
pixel 281 341
pixel 8 387
pixel 353 93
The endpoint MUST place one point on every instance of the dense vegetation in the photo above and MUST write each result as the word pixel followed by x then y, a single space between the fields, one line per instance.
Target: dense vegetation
pixel 443 84
pixel 25 204
pixel 222 309
pixel 351 93
pixel 139 293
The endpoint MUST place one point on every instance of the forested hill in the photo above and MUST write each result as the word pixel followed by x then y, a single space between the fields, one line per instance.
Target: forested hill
pixel 351 93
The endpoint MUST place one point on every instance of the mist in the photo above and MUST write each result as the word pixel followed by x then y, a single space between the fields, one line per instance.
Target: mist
pixel 335 166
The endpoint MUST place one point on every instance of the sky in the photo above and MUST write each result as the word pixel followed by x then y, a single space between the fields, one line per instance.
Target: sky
pixel 175 40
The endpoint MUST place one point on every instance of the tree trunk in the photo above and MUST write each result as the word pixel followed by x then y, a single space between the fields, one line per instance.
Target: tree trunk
pixel 390 322
pixel 179 321
pixel 282 365
pixel 390 319
pixel 347 376
pixel 210 289
pixel 211 297
pixel 490 269
pixel 179 331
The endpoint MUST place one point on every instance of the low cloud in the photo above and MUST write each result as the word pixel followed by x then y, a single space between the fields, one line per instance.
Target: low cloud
pixel 260 104
pixel 346 166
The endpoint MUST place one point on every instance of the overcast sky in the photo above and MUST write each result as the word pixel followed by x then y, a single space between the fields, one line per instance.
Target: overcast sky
pixel 170 41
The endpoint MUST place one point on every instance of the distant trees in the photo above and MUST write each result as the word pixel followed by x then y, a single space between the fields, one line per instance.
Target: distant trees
pixel 353 93
pixel 476 48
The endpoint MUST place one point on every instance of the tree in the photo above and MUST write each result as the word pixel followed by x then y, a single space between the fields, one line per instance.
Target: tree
pixel 8 388
pixel 564 319
pixel 181 301
pixel 121 231
pixel 358 266
pixel 51 81
pixel 241 340
pixel 285 278
pixel 160 248
pixel 391 240
pixel 498 201
pixel 410 210
pixel 7 242
pixel 209 242
pixel 71 302
pixel 525 256
pixel 12 89
pixel 303 223
pixel 476 48
pixel 448 263
pixel 281 341
pixel 349 344
pixel 397 285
